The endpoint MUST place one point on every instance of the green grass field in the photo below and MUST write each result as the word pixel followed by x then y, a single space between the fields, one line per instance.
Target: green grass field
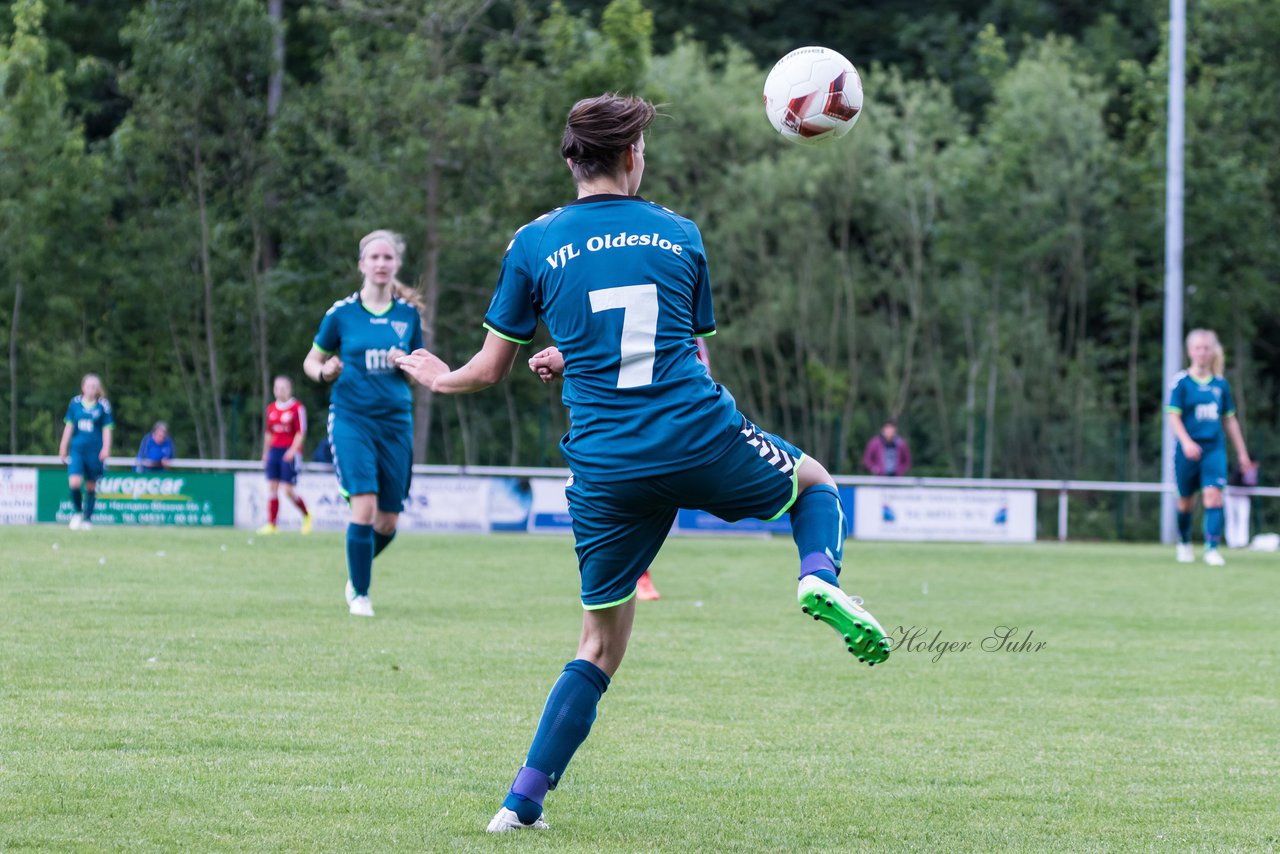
pixel 189 691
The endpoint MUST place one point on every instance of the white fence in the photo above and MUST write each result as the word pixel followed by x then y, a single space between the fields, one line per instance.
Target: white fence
pixel 942 488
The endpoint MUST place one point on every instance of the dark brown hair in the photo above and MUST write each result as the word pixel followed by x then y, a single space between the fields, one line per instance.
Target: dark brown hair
pixel 600 129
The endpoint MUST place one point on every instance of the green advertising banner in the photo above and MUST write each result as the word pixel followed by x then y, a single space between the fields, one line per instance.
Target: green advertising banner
pixel 172 498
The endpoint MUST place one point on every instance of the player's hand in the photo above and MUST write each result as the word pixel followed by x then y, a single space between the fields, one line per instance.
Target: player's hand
pixel 63 458
pixel 1191 450
pixel 289 455
pixel 103 454
pixel 332 369
pixel 423 366
pixel 1247 463
pixel 548 364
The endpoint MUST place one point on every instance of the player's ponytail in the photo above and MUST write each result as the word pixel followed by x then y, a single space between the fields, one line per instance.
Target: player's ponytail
pixel 599 130
pixel 402 291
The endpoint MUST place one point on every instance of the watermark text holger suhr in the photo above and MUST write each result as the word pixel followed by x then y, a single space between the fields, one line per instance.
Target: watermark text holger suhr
pixel 1001 639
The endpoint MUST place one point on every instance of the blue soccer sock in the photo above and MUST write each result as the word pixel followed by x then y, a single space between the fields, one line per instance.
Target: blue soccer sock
pixel 360 557
pixel 381 540
pixel 91 498
pixel 75 501
pixel 818 527
pixel 1184 526
pixel 1212 527
pixel 566 721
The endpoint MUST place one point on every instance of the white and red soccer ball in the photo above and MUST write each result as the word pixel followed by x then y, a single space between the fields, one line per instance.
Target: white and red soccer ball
pixel 813 96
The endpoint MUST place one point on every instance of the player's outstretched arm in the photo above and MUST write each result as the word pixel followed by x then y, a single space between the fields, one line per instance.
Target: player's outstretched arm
pixel 548 364
pixel 488 367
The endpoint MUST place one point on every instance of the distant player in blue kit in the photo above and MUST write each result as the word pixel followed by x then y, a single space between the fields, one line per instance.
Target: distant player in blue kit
pixel 622 286
pixel 371 404
pixel 1200 411
pixel 85 446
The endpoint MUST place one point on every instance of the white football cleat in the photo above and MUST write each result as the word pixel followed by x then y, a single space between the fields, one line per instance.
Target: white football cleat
pixel 1186 554
pixel 86 525
pixel 1214 558
pixel 506 820
pixel 351 593
pixel 76 521
pixel 361 607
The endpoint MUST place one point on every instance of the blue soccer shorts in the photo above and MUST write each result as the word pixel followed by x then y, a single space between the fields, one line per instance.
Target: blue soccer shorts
pixel 85 464
pixel 373 455
pixel 1210 471
pixel 619 526
pixel 278 468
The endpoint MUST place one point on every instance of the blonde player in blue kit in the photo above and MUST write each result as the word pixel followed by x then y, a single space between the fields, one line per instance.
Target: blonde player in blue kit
pixel 622 286
pixel 370 405
pixel 1201 411
pixel 85 446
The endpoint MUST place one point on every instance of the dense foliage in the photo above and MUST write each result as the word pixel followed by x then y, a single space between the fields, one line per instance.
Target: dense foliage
pixel 183 183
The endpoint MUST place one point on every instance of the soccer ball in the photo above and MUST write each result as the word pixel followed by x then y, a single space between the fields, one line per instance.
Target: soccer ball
pixel 813 96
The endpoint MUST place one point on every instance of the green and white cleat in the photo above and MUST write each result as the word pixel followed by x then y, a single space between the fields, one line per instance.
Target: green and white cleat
pixel 1186 554
pixel 1213 557
pixel 862 635
pixel 506 820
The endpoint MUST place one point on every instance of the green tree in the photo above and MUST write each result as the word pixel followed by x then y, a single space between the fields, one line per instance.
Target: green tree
pixel 51 213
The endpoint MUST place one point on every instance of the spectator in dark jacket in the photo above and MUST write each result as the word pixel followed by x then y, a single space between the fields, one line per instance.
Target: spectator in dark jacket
pixel 156 450
pixel 887 454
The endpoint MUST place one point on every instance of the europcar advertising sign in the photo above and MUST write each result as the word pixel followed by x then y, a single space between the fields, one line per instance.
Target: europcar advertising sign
pixel 171 498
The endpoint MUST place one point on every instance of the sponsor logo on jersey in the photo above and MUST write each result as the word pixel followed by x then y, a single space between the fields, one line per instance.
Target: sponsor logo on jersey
pixel 375 361
pixel 1207 411
pixel 400 327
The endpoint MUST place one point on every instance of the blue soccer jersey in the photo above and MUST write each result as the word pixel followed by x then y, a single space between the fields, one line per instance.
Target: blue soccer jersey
pixel 622 286
pixel 369 384
pixel 1202 405
pixel 87 423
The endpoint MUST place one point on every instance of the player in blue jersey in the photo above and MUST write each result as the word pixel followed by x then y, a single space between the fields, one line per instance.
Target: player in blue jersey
pixel 85 446
pixel 622 286
pixel 370 405
pixel 1200 412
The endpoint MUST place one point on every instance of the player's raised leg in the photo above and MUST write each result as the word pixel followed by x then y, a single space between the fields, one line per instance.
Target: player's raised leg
pixel 819 528
pixel 567 717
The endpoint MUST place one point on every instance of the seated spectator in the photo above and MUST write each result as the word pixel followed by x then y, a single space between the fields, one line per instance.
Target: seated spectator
pixel 156 450
pixel 887 454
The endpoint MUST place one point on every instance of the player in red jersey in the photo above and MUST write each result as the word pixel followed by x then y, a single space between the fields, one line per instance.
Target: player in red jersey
pixel 282 450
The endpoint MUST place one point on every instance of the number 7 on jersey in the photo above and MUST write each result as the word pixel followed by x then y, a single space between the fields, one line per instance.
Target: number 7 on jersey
pixel 639 304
